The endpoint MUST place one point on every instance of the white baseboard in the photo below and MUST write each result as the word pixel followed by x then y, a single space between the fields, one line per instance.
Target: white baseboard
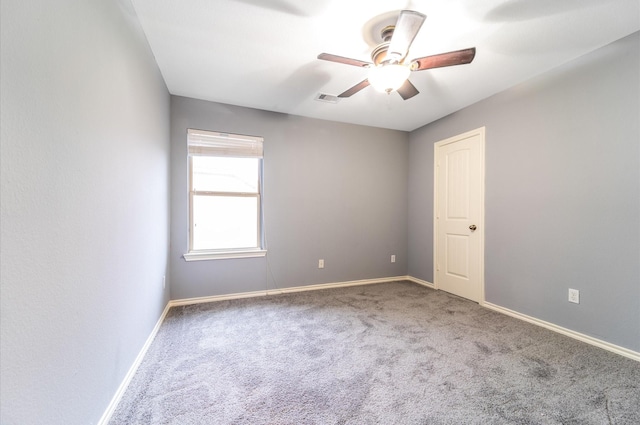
pixel 188 301
pixel 421 282
pixel 335 285
pixel 199 300
pixel 106 416
pixel 634 355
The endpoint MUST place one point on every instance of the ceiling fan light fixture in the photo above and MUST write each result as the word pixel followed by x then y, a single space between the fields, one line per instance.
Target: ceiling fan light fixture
pixel 391 64
pixel 388 77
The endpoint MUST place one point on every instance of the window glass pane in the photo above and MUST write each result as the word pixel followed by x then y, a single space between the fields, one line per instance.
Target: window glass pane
pixel 225 222
pixel 222 174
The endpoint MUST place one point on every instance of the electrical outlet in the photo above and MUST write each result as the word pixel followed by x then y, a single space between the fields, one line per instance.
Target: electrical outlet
pixel 393 258
pixel 164 281
pixel 321 264
pixel 574 296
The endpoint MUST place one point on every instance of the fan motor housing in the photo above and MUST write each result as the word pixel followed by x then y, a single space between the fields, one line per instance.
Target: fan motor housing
pixel 379 53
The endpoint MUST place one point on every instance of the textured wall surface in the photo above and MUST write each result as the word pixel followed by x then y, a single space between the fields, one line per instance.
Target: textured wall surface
pixel 84 160
pixel 86 140
pixel 332 191
pixel 562 194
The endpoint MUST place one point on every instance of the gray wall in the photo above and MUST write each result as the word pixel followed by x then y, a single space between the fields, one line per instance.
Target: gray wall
pixel 333 191
pixel 562 194
pixel 84 225
pixel 84 216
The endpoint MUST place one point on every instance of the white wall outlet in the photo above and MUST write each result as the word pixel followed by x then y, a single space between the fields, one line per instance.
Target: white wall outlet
pixel 321 264
pixel 393 258
pixel 164 281
pixel 574 296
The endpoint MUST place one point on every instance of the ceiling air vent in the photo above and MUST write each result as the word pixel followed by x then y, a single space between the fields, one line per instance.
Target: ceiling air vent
pixel 329 98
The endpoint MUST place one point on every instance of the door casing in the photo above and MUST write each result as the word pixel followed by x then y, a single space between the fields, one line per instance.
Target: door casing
pixel 480 232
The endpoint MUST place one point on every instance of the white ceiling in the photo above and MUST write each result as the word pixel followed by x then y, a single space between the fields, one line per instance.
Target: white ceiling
pixel 262 53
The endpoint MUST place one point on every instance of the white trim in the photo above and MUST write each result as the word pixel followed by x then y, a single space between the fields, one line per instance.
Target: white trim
pixel 278 291
pixel 483 173
pixel 625 352
pixel 481 131
pixel 336 285
pixel 421 282
pixel 633 355
pixel 204 142
pixel 223 255
pixel 106 416
pixel 213 298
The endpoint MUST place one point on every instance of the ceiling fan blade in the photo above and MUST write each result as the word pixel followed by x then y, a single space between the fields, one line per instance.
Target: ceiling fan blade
pixel 341 59
pixel 355 89
pixel 459 57
pixel 407 90
pixel 407 27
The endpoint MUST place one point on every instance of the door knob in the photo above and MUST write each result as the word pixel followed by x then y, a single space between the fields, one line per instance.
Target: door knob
pixel 472 227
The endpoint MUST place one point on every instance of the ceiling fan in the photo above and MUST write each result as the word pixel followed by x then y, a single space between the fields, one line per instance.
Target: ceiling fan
pixel 391 67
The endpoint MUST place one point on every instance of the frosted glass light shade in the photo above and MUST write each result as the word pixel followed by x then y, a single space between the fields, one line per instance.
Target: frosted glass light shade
pixel 388 78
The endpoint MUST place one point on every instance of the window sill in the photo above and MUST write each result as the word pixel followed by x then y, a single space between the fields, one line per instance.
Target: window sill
pixel 223 255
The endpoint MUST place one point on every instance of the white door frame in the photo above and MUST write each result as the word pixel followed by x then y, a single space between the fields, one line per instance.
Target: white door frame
pixel 477 132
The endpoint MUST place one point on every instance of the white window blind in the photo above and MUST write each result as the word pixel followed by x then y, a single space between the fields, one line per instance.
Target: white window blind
pixel 201 142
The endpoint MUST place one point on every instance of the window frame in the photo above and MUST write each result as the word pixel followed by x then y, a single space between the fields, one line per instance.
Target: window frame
pixel 200 148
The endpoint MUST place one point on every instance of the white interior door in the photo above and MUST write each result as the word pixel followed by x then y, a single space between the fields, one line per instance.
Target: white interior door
pixel 459 215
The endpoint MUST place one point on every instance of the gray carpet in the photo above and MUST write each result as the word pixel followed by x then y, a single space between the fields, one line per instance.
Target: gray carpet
pixel 391 353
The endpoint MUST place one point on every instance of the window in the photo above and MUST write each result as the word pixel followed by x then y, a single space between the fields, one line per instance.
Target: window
pixel 225 199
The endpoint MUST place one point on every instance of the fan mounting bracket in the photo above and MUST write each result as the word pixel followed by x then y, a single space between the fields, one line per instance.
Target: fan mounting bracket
pixel 373 29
